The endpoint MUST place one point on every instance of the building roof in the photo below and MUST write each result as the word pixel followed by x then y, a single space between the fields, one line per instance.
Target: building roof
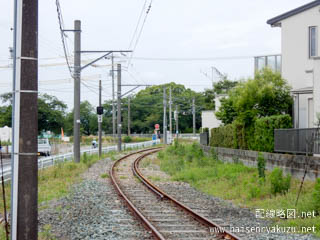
pixel 275 21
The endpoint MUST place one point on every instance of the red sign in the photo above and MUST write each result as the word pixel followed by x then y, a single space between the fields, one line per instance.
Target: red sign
pixel 157 126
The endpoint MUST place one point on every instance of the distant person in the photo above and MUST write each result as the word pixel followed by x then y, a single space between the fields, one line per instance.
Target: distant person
pixel 159 135
pixel 94 143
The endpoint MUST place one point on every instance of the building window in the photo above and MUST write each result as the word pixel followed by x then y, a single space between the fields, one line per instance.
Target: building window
pixel 313 51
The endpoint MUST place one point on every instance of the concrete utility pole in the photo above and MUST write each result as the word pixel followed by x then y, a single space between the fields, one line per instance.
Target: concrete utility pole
pixel 170 111
pixel 164 115
pixel 176 118
pixel 77 79
pixel 113 101
pixel 129 120
pixel 119 106
pixel 100 122
pixel 194 116
pixel 24 185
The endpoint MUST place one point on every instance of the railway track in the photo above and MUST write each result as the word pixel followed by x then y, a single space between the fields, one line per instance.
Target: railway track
pixel 161 214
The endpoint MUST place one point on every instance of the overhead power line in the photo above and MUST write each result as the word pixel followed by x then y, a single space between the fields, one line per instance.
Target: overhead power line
pixel 63 36
pixel 140 32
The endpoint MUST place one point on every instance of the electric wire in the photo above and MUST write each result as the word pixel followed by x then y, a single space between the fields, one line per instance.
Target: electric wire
pixel 138 23
pixel 140 33
pixel 63 36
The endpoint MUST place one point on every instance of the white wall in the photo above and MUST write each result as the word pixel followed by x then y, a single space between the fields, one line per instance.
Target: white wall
pixel 5 134
pixel 296 61
pixel 295 47
pixel 209 119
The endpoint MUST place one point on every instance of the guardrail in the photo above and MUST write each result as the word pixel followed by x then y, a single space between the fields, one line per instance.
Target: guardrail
pixel 52 160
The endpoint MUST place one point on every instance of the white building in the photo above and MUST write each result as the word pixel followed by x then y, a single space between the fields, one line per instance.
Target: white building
pixel 6 134
pixel 208 118
pixel 300 59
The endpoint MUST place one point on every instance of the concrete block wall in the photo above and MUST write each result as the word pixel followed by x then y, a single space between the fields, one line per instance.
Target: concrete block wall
pixel 290 164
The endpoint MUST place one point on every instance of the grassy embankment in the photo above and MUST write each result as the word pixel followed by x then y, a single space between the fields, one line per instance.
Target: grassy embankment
pixel 240 184
pixel 54 183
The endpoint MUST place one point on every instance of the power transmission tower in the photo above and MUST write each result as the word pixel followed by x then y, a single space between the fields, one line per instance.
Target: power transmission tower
pixel 194 116
pixel 119 106
pixel 129 120
pixel 100 121
pixel 77 90
pixel 24 184
pixel 170 111
pixel 164 115
pixel 113 100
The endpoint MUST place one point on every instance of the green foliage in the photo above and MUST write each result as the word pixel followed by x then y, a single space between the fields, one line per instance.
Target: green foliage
pixel 127 139
pixel 88 118
pixel 147 108
pixel 264 131
pixel 51 112
pixel 223 86
pixel 279 183
pixel 258 136
pixel 104 175
pixel 265 95
pixel 261 166
pixel 254 191
pixel 316 196
pixel 205 130
pixel 222 136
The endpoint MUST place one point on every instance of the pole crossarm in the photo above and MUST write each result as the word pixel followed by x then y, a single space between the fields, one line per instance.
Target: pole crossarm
pixel 107 53
pixel 135 87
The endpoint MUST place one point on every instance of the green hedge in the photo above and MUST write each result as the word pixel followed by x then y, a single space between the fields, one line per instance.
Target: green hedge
pixel 264 131
pixel 222 136
pixel 259 137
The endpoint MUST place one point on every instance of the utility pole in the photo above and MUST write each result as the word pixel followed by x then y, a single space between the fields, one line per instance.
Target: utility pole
pixel 24 185
pixel 113 102
pixel 77 79
pixel 176 117
pixel 194 116
pixel 119 106
pixel 170 111
pixel 129 120
pixel 100 121
pixel 164 116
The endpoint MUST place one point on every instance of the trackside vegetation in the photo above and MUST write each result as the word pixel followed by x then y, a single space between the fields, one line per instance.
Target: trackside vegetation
pixel 250 187
pixel 55 182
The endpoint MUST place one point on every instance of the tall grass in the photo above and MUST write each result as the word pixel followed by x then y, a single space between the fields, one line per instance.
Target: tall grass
pixel 238 183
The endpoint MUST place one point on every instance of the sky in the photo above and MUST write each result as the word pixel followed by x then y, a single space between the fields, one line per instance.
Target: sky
pixel 180 42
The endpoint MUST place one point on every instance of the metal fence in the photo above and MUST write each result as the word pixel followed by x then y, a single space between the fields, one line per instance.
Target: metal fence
pixel 300 140
pixel 52 160
pixel 204 138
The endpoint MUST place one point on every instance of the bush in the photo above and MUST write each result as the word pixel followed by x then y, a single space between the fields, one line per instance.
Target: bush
pixel 264 131
pixel 127 139
pixel 279 184
pixel 239 135
pixel 222 137
pixel 316 196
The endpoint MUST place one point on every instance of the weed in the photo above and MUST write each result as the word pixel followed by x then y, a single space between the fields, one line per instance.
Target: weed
pixel 316 196
pixel 279 184
pixel 261 166
pixel 123 177
pixel 104 175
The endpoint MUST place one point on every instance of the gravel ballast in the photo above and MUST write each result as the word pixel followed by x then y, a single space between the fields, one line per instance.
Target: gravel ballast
pixel 93 210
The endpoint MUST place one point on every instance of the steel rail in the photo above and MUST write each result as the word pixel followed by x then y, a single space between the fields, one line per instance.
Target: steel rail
pixel 131 206
pixel 225 234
